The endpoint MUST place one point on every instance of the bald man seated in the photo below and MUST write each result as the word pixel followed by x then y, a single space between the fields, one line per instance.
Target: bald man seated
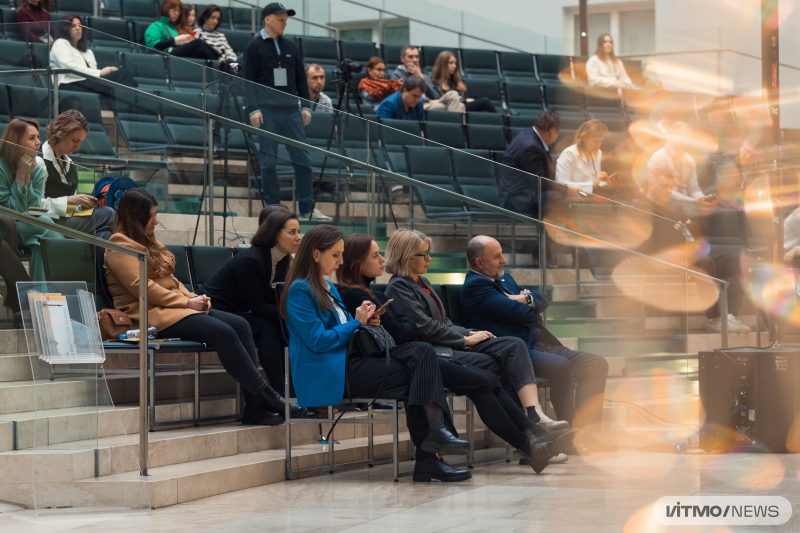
pixel 491 300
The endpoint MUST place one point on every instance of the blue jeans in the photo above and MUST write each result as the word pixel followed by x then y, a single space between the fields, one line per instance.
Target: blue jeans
pixel 289 125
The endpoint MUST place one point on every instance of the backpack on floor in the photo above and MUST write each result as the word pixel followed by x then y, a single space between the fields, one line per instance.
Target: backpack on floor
pixel 108 191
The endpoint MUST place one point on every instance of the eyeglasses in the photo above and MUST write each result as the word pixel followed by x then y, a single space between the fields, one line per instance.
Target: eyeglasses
pixel 380 70
pixel 426 255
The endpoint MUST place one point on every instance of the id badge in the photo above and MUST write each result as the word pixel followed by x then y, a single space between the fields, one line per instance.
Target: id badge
pixel 279 75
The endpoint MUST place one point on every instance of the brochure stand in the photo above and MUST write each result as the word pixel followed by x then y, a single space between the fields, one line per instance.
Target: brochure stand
pixel 74 434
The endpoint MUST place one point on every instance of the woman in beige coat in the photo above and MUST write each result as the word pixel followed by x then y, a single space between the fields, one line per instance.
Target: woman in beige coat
pixel 176 312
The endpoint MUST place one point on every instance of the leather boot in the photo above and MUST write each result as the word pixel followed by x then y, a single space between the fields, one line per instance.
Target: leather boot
pixel 273 401
pixel 557 441
pixel 442 442
pixel 257 415
pixel 429 469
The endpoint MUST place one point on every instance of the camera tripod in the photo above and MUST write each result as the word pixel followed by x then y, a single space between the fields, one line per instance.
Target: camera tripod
pixel 222 132
pixel 341 115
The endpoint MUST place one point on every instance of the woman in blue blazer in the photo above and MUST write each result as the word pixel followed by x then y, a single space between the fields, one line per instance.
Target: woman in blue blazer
pixel 320 329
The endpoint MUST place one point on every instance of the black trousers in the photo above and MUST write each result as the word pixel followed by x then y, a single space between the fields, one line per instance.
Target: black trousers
pixel 121 76
pixel 481 104
pixel 565 368
pixel 506 357
pixel 270 353
pixel 99 224
pixel 412 376
pixel 727 267
pixel 11 269
pixel 197 49
pixel 231 337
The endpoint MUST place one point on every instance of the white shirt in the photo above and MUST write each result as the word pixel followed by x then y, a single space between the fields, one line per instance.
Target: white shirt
pixel 683 171
pixel 276 256
pixel 607 74
pixel 64 55
pixel 340 314
pixel 54 206
pixel 546 148
pixel 577 170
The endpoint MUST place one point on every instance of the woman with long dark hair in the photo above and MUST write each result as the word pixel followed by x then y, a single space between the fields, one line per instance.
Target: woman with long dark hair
pixel 33 17
pixel 362 264
pixel 176 312
pixel 208 24
pixel 163 34
pixel 244 286
pixel 320 329
pixel 604 69
pixel 21 185
pixel 446 77
pixel 70 50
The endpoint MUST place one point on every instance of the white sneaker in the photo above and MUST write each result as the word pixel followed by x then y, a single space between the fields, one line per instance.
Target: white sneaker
pixel 743 328
pixel 315 216
pixel 713 324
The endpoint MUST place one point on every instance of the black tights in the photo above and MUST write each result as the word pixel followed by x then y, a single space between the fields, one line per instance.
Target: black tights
pixel 268 339
pixel 481 104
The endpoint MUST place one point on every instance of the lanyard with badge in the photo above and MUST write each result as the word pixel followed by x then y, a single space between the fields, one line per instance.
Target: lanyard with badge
pixel 279 74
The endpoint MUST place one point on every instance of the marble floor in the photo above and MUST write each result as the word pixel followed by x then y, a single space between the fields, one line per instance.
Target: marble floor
pixel 598 493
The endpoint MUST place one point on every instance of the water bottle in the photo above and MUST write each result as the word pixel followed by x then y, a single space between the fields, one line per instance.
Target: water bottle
pixel 134 334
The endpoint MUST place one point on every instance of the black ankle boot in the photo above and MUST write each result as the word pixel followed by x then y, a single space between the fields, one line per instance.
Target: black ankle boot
pixel 273 401
pixel 257 415
pixel 441 441
pixel 436 468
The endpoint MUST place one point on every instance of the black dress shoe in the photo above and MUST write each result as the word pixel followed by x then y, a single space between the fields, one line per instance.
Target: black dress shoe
pixel 557 441
pixel 256 415
pixel 272 401
pixel 537 458
pixel 429 469
pixel 442 442
pixel 559 459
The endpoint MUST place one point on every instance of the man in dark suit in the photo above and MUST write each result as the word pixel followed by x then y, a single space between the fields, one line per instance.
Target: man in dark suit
pixel 528 157
pixel 492 300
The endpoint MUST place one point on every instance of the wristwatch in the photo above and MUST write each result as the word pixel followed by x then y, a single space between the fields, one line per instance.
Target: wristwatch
pixel 531 302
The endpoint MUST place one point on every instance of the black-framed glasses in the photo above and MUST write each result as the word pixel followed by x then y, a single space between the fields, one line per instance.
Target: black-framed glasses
pixel 426 255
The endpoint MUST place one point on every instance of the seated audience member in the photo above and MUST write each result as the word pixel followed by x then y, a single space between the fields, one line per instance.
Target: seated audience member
pixel 670 240
pixel 163 34
pixel 33 17
pixel 604 69
pixel 730 173
pixel 64 136
pixel 674 159
pixel 11 268
pixel 580 165
pixel 244 287
pixel 208 24
pixel 176 312
pixel 189 16
pixel 267 210
pixel 528 157
pixel 409 58
pixel 70 50
pixel 374 88
pixel 407 257
pixel 446 77
pixel 320 101
pixel 320 329
pixel 491 298
pixel 362 264
pixel 405 104
pixel 21 184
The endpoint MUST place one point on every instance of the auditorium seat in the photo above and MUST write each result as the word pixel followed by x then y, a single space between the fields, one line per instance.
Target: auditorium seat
pixel 444 116
pixel 491 119
pixel 486 137
pixel 109 33
pixel 138 122
pixel 553 67
pixel 431 164
pixel 149 70
pixel 428 55
pixel 358 51
pixel 10 26
pixel 138 28
pixel 479 64
pixel 486 89
pixel 391 54
pixel 95 148
pixel 565 100
pixel 82 8
pixel 605 105
pixel 205 261
pixel 144 11
pixel 475 176
pixel 186 74
pixel 238 39
pixel 394 135
pixel 517 66
pixel 321 50
pixel 30 102
pixel 16 56
pixel 524 98
pixel 451 135
pixel 241 18
pixel 182 271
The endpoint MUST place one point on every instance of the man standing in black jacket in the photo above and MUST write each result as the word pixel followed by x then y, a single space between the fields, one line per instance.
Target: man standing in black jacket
pixel 528 157
pixel 275 62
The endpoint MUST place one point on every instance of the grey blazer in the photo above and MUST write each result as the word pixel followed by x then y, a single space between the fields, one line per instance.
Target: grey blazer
pixel 421 309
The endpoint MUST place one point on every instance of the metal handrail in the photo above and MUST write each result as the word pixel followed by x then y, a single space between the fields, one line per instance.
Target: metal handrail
pixel 460 34
pixel 304 21
pixel 142 257
pixel 711 51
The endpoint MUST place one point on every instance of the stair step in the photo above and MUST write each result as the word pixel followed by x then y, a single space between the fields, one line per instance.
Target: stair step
pixel 12 342
pixel 577 309
pixel 20 396
pixel 592 327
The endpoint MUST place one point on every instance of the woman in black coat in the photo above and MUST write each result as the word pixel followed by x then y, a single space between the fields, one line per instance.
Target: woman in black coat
pixel 244 286
pixel 362 264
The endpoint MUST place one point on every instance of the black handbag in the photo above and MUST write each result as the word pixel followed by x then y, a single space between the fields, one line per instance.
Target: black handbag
pixel 372 341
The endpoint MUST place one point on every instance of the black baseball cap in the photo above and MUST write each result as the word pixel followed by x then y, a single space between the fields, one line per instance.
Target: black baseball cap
pixel 276 8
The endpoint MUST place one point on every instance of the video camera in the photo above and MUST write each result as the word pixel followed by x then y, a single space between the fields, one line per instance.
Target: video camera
pixel 230 66
pixel 346 69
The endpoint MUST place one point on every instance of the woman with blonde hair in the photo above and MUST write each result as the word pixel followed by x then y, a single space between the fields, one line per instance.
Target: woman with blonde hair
pixel 579 166
pixel 604 69
pixel 176 312
pixel 21 184
pixel 446 77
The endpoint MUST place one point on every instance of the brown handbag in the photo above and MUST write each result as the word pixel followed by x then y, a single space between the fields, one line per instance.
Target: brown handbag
pixel 113 323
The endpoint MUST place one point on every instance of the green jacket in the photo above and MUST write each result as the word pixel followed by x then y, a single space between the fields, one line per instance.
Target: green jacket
pixel 158 31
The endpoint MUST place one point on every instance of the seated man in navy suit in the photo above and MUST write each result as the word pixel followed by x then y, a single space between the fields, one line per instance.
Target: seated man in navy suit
pixel 491 300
